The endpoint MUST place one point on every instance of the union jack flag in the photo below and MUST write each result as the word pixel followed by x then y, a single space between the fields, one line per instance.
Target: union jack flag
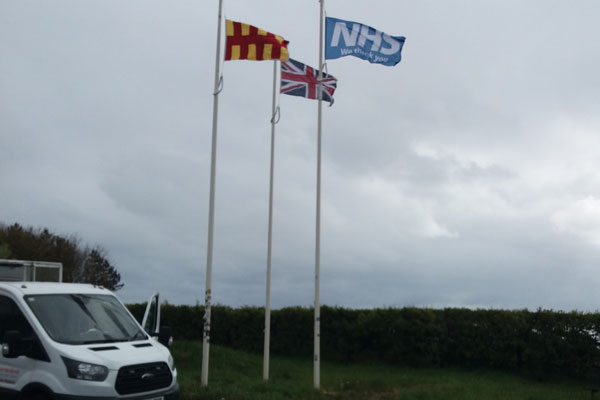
pixel 298 79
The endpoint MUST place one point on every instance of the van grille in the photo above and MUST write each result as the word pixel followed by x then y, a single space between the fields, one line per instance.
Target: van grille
pixel 143 378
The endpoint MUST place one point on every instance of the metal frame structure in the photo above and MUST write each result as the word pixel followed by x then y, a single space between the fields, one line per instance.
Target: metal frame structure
pixel 30 269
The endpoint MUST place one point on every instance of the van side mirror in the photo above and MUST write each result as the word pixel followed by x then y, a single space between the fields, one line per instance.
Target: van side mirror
pixel 165 336
pixel 12 346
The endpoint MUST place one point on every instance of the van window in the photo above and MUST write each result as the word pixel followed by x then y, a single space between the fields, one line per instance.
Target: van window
pixel 13 319
pixel 84 319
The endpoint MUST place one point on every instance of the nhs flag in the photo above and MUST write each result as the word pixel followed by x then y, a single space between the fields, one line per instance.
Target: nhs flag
pixel 347 38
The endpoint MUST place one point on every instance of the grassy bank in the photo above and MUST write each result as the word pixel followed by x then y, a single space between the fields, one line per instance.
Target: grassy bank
pixel 238 375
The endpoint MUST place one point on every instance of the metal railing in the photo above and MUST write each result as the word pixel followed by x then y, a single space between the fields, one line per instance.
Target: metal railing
pixel 30 271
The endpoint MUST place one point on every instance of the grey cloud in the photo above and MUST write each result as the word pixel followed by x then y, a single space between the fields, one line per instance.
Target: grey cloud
pixel 453 179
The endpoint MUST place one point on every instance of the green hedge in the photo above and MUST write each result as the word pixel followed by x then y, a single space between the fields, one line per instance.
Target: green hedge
pixel 541 342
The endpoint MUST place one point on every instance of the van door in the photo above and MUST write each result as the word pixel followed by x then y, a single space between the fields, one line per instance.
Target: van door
pixel 12 369
pixel 151 321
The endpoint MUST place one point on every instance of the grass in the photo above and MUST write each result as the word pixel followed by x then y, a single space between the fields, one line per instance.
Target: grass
pixel 237 375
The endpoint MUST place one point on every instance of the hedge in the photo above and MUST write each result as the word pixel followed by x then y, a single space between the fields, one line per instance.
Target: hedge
pixel 538 342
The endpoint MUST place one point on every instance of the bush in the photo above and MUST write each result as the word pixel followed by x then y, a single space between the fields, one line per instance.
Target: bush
pixel 541 342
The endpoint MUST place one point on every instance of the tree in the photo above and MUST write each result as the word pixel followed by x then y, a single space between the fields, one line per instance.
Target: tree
pixel 80 264
pixel 4 251
pixel 98 270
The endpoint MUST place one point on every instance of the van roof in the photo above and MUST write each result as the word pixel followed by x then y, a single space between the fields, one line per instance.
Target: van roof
pixel 27 288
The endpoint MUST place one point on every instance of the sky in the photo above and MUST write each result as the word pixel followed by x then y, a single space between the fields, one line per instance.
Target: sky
pixel 465 176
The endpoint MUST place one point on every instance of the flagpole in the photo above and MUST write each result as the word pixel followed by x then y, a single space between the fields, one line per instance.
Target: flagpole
pixel 317 328
pixel 270 229
pixel 211 209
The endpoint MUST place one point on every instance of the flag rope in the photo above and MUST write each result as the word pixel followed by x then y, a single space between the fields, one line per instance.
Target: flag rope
pixel 322 77
pixel 276 115
pixel 220 86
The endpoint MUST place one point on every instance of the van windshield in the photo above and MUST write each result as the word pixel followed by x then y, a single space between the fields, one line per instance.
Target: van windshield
pixel 84 318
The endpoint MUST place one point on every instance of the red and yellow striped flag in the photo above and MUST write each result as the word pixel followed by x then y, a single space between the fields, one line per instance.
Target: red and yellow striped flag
pixel 247 42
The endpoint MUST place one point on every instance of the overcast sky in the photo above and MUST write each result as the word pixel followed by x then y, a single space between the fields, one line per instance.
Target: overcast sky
pixel 467 175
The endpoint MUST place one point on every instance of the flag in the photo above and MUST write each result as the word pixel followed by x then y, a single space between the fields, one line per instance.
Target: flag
pixel 247 42
pixel 347 38
pixel 298 79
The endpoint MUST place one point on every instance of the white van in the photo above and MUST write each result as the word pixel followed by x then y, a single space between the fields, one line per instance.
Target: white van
pixel 63 341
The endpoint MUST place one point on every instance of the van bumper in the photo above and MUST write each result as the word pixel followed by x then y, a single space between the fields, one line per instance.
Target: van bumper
pixel 170 394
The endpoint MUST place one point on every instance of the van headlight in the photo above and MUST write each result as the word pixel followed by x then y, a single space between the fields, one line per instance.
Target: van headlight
pixel 171 363
pixel 85 371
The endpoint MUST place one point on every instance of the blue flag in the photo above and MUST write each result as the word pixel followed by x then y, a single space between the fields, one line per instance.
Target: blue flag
pixel 347 38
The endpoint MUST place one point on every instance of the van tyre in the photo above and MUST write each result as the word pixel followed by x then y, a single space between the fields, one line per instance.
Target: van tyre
pixel 37 396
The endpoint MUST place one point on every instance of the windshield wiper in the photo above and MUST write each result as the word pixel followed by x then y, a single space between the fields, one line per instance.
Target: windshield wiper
pixel 107 339
pixel 138 336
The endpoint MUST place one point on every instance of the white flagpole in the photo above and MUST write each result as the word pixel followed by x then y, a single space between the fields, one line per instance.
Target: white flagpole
pixel 211 209
pixel 270 234
pixel 317 330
